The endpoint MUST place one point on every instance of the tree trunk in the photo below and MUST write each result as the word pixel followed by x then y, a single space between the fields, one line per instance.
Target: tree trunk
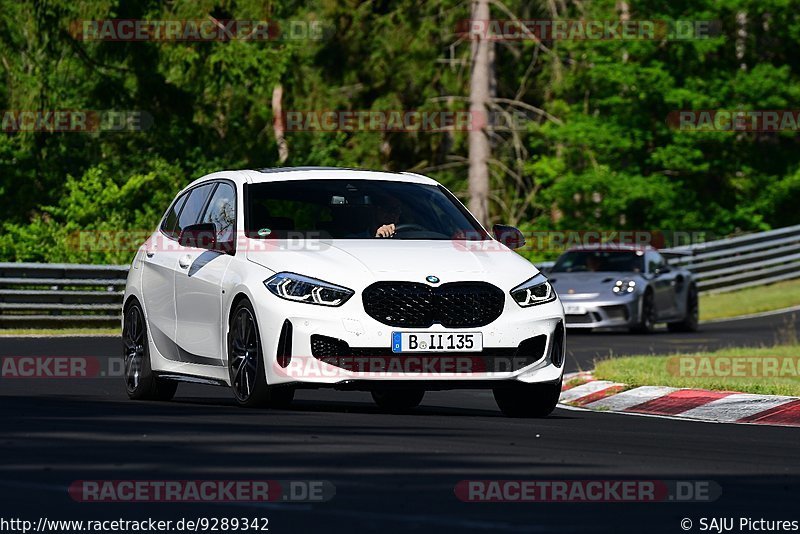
pixel 277 123
pixel 624 16
pixel 741 39
pixel 479 98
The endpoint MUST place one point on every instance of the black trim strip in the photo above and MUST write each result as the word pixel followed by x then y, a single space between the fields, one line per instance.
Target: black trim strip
pixel 194 379
pixel 204 259
pixel 188 357
pixel 174 352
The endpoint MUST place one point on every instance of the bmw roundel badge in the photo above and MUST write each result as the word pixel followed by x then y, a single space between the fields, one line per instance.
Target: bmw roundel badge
pixel 432 279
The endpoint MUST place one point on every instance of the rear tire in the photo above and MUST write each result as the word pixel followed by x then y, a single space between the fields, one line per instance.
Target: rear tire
pixel 692 319
pixel 647 321
pixel 140 381
pixel 528 400
pixel 398 400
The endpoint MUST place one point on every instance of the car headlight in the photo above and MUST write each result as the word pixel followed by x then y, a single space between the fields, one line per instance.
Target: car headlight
pixel 299 288
pixel 535 291
pixel 624 287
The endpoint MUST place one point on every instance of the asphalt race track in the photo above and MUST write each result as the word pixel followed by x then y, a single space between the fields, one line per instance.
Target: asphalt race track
pixel 392 473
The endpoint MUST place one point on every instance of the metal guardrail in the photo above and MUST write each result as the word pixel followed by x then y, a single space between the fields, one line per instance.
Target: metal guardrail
pixel 35 294
pixel 743 261
pixel 40 295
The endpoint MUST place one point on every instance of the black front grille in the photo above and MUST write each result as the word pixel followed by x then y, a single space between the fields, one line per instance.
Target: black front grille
pixel 617 312
pixel 338 353
pixel 580 319
pixel 453 305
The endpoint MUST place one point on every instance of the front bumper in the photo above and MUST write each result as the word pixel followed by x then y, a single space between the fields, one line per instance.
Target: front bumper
pixel 608 313
pixel 363 354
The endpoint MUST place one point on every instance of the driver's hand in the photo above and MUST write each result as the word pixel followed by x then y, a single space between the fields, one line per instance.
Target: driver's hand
pixel 387 230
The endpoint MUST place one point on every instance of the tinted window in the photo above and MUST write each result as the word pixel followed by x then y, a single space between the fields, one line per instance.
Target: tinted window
pixel 168 226
pixel 193 207
pixel 221 212
pixel 655 262
pixel 355 209
pixel 599 261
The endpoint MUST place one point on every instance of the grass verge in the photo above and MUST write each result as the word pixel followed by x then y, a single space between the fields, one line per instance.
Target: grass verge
pixel 766 371
pixel 750 300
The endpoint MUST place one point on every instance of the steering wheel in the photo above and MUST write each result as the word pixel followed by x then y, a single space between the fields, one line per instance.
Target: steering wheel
pixel 406 227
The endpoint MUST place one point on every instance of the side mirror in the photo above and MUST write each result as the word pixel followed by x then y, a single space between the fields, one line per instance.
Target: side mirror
pixel 662 270
pixel 203 235
pixel 508 235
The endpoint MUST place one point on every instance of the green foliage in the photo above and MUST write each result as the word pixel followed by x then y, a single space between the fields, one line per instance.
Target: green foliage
pixel 626 169
pixel 600 155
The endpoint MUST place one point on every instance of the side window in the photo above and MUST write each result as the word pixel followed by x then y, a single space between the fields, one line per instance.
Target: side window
pixel 168 226
pixel 655 262
pixel 221 212
pixel 193 206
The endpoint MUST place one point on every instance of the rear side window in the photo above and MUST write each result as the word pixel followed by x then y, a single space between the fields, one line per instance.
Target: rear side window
pixel 190 214
pixel 168 226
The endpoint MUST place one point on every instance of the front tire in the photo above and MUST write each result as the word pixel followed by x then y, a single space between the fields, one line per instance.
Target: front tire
pixel 140 381
pixel 527 400
pixel 246 363
pixel 692 319
pixel 647 321
pixel 397 400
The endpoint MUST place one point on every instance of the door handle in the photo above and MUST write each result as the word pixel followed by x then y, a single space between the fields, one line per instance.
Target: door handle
pixel 185 262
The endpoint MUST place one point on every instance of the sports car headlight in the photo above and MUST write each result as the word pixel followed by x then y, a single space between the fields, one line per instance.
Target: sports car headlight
pixel 299 288
pixel 623 287
pixel 535 291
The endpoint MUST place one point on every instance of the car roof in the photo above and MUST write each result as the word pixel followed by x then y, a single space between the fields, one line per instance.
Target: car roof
pixel 335 173
pixel 281 174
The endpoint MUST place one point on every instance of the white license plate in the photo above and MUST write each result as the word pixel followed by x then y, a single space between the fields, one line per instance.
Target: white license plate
pixel 437 342
pixel 571 309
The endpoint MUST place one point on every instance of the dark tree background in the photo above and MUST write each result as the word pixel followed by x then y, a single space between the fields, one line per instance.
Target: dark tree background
pixel 595 153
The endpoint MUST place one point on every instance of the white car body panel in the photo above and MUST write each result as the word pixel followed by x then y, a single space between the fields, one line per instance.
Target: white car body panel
pixel 355 259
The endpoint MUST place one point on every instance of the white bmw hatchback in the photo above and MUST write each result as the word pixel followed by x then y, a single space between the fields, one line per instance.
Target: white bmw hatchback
pixel 273 280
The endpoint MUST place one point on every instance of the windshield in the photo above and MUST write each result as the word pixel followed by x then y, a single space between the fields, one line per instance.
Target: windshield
pixel 577 261
pixel 355 209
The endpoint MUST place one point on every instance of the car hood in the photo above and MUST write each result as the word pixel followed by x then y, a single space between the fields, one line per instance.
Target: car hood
pixel 582 285
pixel 356 263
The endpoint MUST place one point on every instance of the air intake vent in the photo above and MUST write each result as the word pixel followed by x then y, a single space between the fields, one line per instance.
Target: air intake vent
pixel 285 344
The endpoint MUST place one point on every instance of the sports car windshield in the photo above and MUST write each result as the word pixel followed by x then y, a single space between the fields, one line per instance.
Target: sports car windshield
pixel 577 261
pixel 355 209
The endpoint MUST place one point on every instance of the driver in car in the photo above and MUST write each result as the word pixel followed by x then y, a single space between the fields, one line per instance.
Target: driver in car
pixel 593 263
pixel 387 215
